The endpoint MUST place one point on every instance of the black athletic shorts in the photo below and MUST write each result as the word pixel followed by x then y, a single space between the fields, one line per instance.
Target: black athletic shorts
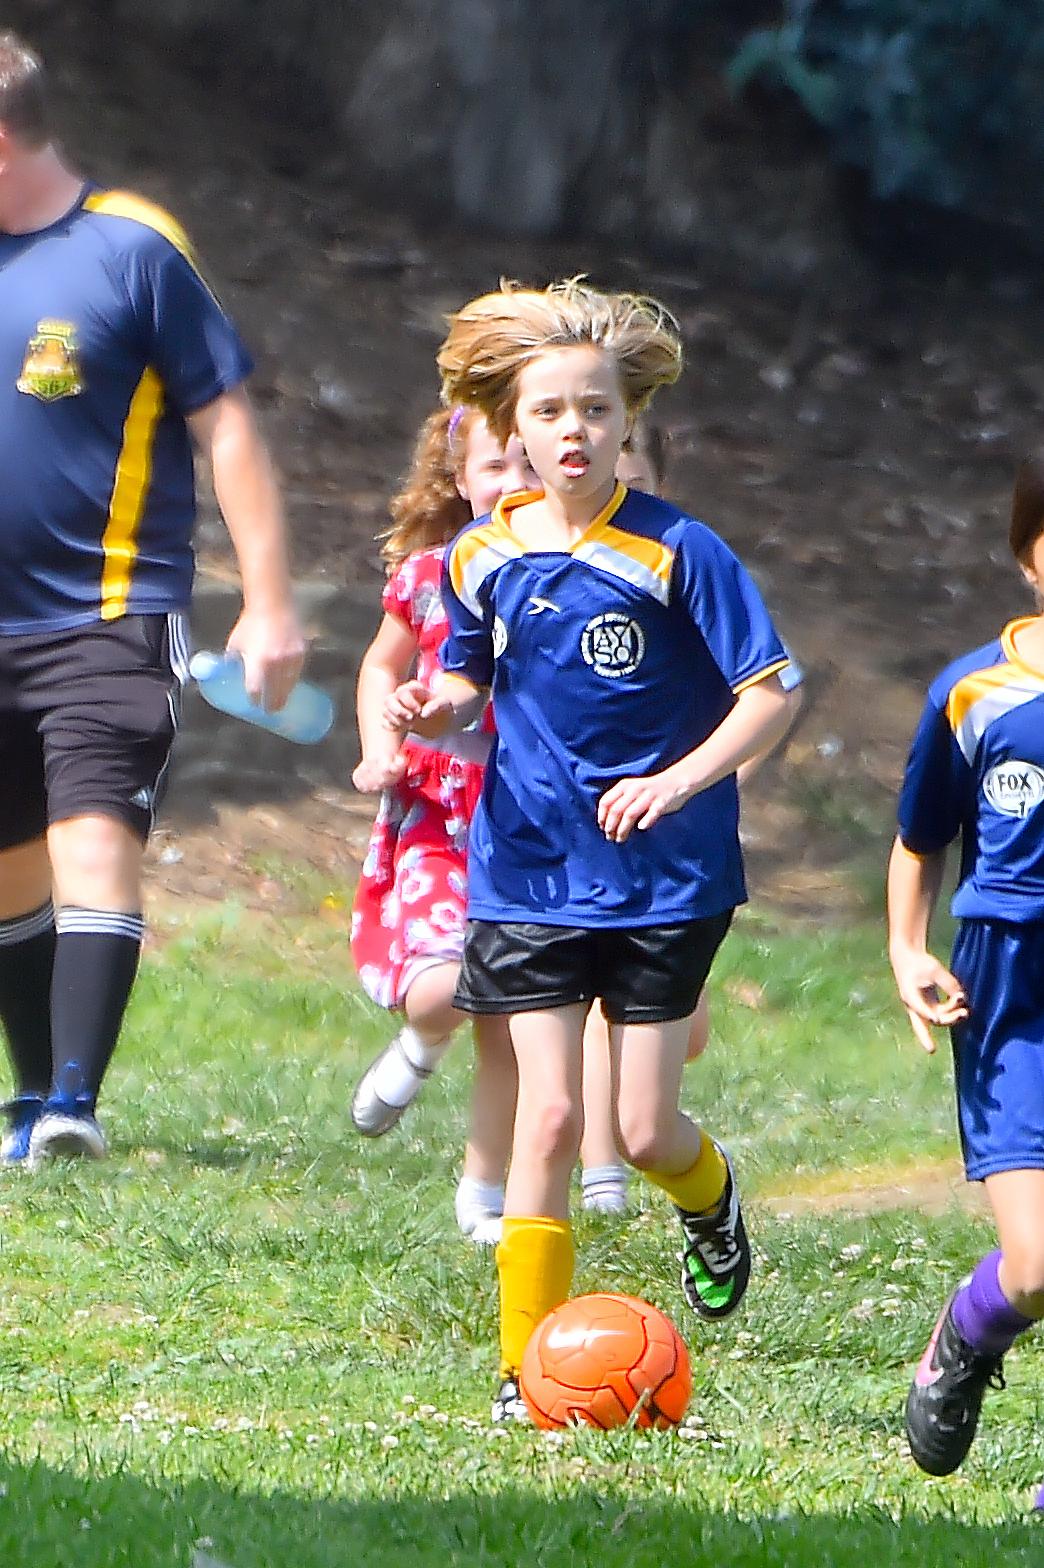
pixel 643 974
pixel 87 718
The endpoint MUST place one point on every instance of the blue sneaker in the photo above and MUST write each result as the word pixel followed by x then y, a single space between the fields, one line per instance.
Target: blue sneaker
pixel 23 1113
pixel 67 1126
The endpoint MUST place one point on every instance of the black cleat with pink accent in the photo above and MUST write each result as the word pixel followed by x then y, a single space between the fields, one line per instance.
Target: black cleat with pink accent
pixel 942 1408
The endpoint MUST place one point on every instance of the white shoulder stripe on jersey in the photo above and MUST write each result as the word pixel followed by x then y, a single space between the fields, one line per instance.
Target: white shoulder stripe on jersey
pixel 605 559
pixel 992 706
pixel 482 565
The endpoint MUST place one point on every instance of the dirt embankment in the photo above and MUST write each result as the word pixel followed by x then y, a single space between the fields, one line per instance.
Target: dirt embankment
pixel 853 436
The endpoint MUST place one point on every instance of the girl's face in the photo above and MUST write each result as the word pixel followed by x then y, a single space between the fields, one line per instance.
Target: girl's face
pixel 491 470
pixel 572 419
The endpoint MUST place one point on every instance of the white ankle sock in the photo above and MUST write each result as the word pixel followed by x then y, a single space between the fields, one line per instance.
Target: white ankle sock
pixel 399 1074
pixel 477 1201
pixel 604 1188
pixel 424 1057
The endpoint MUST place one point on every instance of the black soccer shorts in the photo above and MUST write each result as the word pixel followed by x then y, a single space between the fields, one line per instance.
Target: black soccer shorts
pixel 87 718
pixel 643 974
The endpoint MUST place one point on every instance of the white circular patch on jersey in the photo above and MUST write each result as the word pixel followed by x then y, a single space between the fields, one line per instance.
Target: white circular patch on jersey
pixel 612 644
pixel 499 637
pixel 1014 788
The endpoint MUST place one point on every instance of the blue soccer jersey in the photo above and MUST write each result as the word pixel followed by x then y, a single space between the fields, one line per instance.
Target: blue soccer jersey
pixel 976 769
pixel 610 660
pixel 109 337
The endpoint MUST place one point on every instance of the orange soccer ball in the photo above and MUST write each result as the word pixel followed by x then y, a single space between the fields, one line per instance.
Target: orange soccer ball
pixel 598 1359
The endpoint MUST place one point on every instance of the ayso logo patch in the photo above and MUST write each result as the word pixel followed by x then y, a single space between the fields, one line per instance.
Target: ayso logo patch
pixel 1014 788
pixel 612 644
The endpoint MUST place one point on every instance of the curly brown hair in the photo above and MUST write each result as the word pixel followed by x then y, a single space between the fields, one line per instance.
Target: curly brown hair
pixel 429 508
pixel 492 339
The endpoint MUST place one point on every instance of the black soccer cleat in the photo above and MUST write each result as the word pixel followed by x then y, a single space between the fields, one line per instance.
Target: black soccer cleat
pixel 509 1406
pixel 715 1263
pixel 945 1398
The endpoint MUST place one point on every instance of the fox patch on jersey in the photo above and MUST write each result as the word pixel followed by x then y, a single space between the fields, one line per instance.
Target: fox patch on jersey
pixel 109 337
pixel 976 769
pixel 610 660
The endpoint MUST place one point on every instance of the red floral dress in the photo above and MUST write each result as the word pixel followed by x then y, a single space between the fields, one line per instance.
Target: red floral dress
pixel 410 904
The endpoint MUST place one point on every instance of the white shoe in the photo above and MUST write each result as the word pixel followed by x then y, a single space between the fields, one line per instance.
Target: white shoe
pixel 371 1115
pixel 72 1134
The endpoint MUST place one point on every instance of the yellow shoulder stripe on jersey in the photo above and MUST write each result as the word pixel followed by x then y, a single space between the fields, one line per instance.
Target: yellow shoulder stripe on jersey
pixel 475 556
pixel 644 563
pixel 129 492
pixel 762 675
pixel 982 696
pixel 124 204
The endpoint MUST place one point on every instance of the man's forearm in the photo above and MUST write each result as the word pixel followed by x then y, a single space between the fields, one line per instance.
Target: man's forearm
pixel 249 499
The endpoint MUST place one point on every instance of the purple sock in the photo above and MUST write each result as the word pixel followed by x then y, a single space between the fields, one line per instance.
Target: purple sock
pixel 984 1316
pixel 1039 1504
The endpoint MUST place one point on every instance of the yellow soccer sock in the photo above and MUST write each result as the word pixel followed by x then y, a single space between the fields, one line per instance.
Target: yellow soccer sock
pixel 535 1265
pixel 700 1188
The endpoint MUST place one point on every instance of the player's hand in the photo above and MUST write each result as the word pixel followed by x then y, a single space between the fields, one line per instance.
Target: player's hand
pixel 374 774
pixel 272 648
pixel 929 992
pixel 405 704
pixel 638 803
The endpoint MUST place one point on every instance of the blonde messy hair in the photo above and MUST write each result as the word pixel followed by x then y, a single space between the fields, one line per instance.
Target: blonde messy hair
pixel 429 508
pixel 494 337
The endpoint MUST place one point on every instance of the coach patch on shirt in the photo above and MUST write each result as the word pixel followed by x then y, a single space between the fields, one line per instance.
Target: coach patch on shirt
pixel 51 369
pixel 613 644
pixel 1014 788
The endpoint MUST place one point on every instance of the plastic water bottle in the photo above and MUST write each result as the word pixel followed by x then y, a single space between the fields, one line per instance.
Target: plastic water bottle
pixel 306 716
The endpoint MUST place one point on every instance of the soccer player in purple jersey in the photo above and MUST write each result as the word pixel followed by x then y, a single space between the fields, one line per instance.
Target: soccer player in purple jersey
pixel 115 358
pixel 976 772
pixel 633 668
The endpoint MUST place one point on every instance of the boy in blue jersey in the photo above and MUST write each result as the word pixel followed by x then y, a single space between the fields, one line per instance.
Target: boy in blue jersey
pixel 114 357
pixel 633 669
pixel 976 771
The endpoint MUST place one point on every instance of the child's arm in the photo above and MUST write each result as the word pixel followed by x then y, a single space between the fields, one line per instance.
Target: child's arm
pixel 385 664
pixel 746 770
pixel 455 704
pixel 929 992
pixel 757 722
pixel 466 658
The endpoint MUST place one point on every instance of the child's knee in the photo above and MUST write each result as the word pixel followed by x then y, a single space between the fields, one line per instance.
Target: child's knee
pixel 645 1142
pixel 551 1132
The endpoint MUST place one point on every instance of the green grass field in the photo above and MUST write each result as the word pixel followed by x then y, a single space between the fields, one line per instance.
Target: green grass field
pixel 251 1339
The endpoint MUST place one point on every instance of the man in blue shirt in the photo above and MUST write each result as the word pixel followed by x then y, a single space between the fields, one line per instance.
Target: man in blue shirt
pixel 115 358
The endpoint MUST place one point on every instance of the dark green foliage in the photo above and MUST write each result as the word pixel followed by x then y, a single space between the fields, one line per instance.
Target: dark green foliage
pixel 938 100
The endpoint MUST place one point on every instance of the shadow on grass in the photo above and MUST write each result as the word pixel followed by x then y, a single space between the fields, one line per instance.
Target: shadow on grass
pixel 54 1518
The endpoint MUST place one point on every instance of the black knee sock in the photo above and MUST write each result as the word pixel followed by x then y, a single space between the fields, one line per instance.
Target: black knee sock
pixel 95 961
pixel 26 960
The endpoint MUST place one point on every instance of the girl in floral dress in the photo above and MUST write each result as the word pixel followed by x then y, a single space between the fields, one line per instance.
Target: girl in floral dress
pixel 408 916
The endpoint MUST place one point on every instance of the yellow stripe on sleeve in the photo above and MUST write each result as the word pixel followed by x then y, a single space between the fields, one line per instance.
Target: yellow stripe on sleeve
pixel 762 675
pixel 129 492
